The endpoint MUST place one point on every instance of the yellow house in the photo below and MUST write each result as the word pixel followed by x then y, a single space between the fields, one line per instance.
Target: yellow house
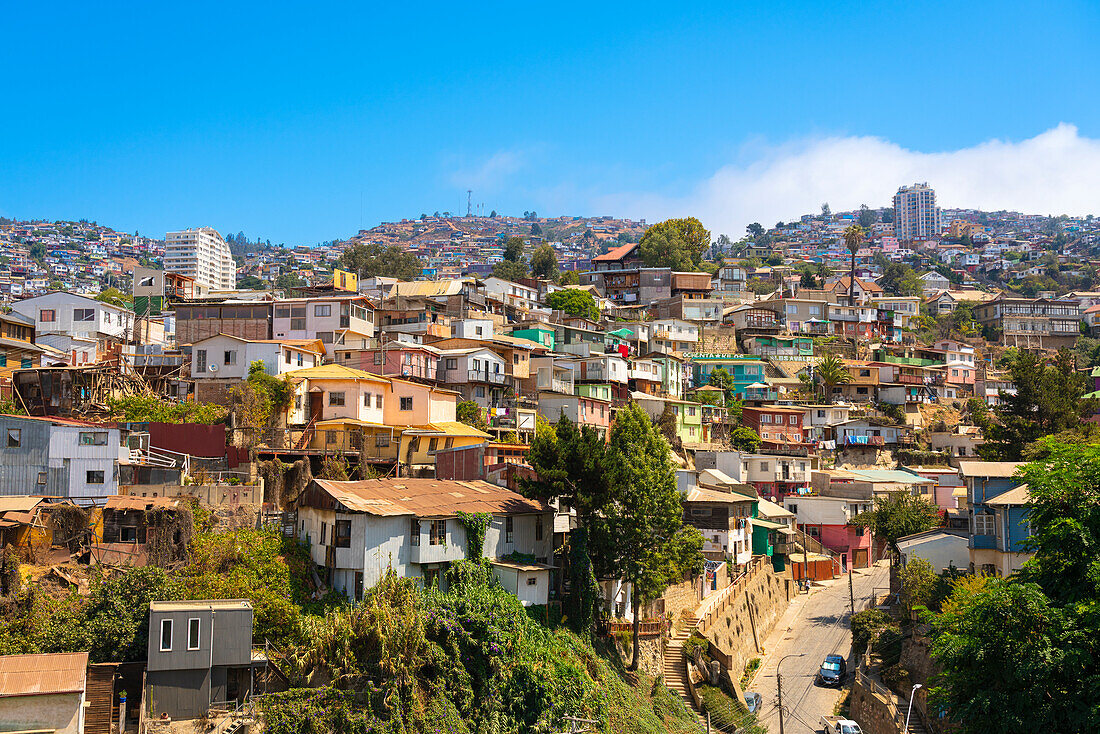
pixel 419 443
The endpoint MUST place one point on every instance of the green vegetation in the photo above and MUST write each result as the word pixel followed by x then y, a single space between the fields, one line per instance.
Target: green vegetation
pixel 827 374
pixel 152 409
pixel 544 263
pixel 750 670
pixel 514 266
pixel 1049 399
pixel 575 302
pixel 115 297
pixel 470 413
pixel 898 514
pixel 375 260
pixel 727 713
pixel 675 243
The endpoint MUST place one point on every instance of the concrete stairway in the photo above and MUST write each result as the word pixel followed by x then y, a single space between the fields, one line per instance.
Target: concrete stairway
pixel 675 666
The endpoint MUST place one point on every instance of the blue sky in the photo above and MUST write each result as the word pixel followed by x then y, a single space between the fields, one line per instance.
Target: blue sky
pixel 301 124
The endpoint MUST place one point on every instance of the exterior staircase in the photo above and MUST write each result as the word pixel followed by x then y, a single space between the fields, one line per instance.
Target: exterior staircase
pixel 307 434
pixel 675 666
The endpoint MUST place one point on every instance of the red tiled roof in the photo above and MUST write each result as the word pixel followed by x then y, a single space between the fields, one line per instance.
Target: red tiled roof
pixel 619 253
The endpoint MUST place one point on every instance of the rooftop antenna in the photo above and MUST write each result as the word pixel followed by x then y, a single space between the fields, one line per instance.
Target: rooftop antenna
pixel 468 193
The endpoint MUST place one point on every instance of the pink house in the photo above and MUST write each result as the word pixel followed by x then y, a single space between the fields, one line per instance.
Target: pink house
pixel 826 520
pixel 395 359
pixel 943 493
pixel 960 358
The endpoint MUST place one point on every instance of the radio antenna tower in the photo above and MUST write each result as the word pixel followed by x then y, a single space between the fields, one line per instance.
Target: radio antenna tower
pixel 468 192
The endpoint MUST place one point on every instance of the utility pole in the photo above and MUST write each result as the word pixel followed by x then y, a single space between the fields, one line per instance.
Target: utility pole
pixel 779 685
pixel 851 588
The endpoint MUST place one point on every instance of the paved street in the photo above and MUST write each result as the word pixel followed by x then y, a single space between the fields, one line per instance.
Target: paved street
pixel 816 625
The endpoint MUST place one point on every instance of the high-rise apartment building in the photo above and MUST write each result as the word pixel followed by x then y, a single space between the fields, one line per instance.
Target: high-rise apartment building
pixel 203 255
pixel 916 216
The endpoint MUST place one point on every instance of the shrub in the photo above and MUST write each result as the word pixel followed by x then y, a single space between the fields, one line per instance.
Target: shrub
pixel 867 625
pixel 726 712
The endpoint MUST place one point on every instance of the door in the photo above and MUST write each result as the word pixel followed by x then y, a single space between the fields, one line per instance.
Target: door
pixel 860 558
pixel 315 403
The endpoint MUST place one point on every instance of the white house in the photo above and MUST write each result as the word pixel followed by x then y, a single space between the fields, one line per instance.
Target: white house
pixel 58 457
pixel 357 531
pixel 75 315
pixel 44 693
pixel 516 295
pixel 346 321
pixel 941 547
pixel 227 357
pixel 675 335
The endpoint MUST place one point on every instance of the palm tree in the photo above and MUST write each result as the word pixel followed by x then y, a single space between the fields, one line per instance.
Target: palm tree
pixel 853 237
pixel 830 372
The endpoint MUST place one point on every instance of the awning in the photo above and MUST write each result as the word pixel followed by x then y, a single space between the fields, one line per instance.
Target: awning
pixel 768 524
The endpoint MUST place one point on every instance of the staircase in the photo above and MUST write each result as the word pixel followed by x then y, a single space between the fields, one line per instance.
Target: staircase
pixel 675 666
pixel 307 434
pixel 99 693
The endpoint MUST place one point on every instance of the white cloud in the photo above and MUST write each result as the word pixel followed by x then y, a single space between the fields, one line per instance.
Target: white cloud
pixel 490 174
pixel 1056 172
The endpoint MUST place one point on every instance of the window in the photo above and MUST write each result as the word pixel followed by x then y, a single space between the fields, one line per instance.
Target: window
pixel 366 399
pixel 438 534
pixel 93 476
pixel 984 525
pixel 200 360
pixel 41 478
pixel 324 531
pixel 330 437
pixel 335 398
pixel 765 418
pixel 193 633
pixel 322 309
pixel 432 444
pixel 288 357
pixel 794 420
pixel 166 635
pixel 378 357
pixel 298 324
pixel 93 438
pixel 378 401
pixel 532 580
pixel 83 314
pixel 821 414
pixel 15 438
pixel 414 532
pixel 297 402
pixel 47 315
pixel 477 365
pixel 691 411
pixel 381 440
pixel 508 529
pixel 479 392
pixel 450 443
pixel 343 533
pixel 230 357
pixel 763 466
pixel 299 359
pixel 406 402
pixel 865 373
pixel 538 527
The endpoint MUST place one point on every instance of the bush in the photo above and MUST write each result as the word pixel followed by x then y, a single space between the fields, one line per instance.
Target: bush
pixel 696 642
pixel 897 679
pixel 867 625
pixel 728 713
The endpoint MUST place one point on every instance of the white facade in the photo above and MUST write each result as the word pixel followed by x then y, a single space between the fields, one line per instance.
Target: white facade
pixel 225 357
pixel 201 254
pixel 343 322
pixel 941 548
pixel 817 510
pixel 378 544
pixel 73 315
pixel 916 216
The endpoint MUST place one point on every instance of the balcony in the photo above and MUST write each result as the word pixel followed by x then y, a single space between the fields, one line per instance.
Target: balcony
pixel 445 553
pixel 983 541
pixel 492 378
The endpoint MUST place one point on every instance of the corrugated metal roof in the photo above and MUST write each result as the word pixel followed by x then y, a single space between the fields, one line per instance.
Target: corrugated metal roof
pixel 1013 497
pixel 128 502
pixel 20 503
pixel 1000 469
pixel 427 497
pixel 36 675
pixel 699 494
pixel 334 372
pixel 427 288
pixel 213 604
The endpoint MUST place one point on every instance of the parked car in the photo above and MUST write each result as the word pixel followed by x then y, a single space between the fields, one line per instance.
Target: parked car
pixel 832 671
pixel 753 701
pixel 837 725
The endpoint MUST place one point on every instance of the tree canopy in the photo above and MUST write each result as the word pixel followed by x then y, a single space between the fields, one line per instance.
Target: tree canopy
pixel 115 297
pixel 897 515
pixel 370 260
pixel 675 243
pixel 575 302
pixel 544 263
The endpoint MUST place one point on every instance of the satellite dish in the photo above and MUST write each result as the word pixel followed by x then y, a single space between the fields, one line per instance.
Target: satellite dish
pixel 213 368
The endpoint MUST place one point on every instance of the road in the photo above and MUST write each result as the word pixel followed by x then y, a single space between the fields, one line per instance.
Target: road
pixel 817 625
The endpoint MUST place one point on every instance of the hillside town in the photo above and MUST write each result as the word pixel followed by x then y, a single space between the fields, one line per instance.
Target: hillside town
pixel 218 455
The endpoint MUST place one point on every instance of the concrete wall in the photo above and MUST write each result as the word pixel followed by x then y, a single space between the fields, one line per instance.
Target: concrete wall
pixel 63 712
pixel 871 711
pixel 741 628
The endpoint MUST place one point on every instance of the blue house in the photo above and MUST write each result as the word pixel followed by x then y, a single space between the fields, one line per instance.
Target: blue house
pixel 997 506
pixel 745 370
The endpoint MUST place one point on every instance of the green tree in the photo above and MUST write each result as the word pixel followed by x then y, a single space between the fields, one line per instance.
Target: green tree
pixel 853 238
pixel 897 515
pixel 919 584
pixel 252 283
pixel 369 260
pixel 115 297
pixel 888 215
pixel 289 280
pixel 1049 399
pixel 575 302
pixel 675 243
pixel 38 251
pixel 755 230
pixel 510 270
pixel 544 263
pixel 828 373
pixel 513 249
pixel 867 217
pixel 470 413
pixel 640 533
pixel 569 277
pixel 745 439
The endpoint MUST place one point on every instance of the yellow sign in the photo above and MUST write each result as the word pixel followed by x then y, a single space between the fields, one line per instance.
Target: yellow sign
pixel 345 281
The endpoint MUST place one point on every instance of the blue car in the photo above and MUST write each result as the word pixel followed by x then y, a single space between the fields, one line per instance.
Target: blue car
pixel 832 671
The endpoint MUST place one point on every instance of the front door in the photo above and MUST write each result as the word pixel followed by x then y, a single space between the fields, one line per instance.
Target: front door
pixel 315 403
pixel 860 558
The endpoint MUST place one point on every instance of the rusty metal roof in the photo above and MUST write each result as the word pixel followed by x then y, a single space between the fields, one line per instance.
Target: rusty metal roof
pixel 129 502
pixel 36 675
pixel 427 497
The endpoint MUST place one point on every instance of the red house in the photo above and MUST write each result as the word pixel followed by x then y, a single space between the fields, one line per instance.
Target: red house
pixel 776 425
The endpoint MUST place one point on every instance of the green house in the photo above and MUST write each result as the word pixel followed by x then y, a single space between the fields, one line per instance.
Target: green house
pixel 538 334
